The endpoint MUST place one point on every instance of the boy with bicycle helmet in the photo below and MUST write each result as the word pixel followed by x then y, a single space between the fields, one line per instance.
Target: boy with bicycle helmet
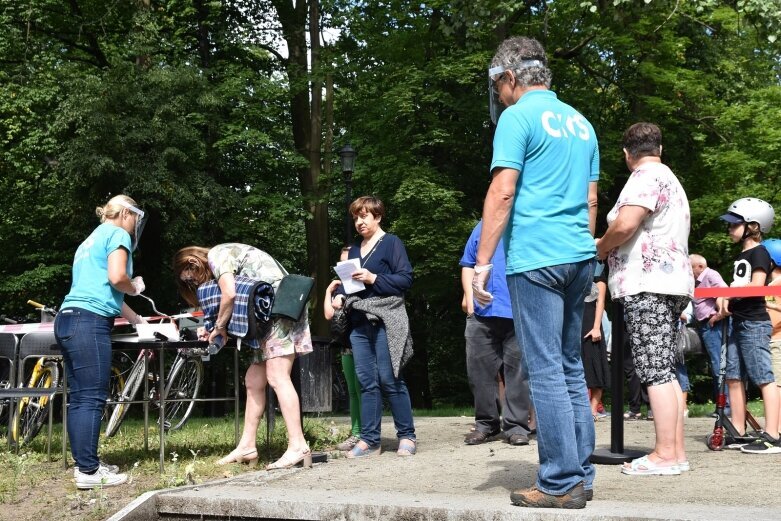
pixel 749 345
pixel 773 246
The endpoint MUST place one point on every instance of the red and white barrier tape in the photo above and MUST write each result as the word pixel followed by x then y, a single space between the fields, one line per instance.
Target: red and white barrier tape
pixel 19 329
pixel 743 291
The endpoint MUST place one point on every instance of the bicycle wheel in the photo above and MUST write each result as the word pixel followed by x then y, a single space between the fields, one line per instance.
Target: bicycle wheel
pixel 4 384
pixel 33 412
pixel 121 365
pixel 184 382
pixel 128 394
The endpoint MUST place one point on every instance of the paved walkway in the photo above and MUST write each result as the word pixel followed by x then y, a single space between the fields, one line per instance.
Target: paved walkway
pixel 448 480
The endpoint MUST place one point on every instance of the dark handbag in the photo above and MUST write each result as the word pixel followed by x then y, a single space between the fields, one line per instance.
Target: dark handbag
pixel 689 342
pixel 291 297
pixel 340 327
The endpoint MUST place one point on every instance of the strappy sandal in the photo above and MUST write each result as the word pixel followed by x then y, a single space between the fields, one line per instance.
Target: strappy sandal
pixel 288 461
pixel 645 467
pixel 407 447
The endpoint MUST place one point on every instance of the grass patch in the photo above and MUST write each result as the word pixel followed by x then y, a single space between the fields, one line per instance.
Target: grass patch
pixel 28 481
pixel 442 411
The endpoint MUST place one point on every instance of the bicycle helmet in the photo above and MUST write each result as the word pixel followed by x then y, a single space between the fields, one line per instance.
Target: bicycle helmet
pixel 773 247
pixel 750 209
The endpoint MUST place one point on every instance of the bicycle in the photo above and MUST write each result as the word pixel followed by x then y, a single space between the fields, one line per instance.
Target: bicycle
pixel 182 384
pixel 31 413
pixel 5 378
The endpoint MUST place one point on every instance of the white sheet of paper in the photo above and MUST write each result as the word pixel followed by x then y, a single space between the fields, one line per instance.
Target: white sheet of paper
pixel 345 269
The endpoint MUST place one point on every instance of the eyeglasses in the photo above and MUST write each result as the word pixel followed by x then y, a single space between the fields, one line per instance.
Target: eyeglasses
pixel 496 81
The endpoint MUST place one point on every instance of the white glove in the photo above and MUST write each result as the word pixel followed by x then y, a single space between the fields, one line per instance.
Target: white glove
pixel 478 284
pixel 138 285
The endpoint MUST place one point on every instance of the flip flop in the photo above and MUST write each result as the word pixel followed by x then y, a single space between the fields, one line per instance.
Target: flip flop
pixel 645 467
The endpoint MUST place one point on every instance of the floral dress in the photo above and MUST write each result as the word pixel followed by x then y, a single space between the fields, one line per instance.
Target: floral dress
pixel 286 337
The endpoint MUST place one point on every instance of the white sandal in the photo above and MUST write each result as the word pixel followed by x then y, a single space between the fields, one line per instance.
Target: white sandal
pixel 645 467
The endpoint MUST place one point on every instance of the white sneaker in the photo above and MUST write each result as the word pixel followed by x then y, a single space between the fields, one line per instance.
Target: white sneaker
pixel 111 468
pixel 101 478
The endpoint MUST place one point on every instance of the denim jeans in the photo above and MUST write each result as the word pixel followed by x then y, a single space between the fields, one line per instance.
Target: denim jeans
pixel 548 312
pixel 748 351
pixel 711 339
pixel 85 340
pixel 491 345
pixel 375 376
pixel 682 374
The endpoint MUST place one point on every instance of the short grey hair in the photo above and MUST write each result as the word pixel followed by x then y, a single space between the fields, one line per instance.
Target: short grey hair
pixel 520 48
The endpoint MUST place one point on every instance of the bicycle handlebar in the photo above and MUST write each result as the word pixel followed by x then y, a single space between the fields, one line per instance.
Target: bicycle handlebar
pixel 45 309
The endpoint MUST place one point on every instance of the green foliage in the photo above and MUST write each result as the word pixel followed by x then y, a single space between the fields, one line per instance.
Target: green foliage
pixel 188 107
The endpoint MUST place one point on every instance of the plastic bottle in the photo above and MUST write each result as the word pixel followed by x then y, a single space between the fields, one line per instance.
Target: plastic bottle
pixel 216 345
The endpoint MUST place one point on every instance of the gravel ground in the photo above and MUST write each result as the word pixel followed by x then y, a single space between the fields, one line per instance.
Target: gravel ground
pixel 450 480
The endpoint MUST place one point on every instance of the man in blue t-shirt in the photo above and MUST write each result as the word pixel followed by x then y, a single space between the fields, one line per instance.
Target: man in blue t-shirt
pixel 491 347
pixel 542 200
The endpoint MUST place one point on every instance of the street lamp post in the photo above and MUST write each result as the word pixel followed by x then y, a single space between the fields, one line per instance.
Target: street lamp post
pixel 347 156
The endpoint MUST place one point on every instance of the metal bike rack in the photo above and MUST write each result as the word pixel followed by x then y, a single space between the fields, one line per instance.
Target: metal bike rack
pixel 131 342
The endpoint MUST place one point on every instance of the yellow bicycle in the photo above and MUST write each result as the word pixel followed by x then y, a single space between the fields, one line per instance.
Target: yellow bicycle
pixel 31 413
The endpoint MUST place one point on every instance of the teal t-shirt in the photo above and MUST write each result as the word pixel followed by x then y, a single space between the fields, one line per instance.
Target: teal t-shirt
pixel 90 288
pixel 555 150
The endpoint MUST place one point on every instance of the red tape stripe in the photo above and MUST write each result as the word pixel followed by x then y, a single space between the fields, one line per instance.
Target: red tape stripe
pixel 744 291
pixel 49 326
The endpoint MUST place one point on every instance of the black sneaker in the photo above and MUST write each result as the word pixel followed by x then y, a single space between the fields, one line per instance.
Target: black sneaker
pixel 765 444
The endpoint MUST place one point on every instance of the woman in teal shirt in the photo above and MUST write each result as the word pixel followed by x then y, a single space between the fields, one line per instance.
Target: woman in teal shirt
pixel 102 270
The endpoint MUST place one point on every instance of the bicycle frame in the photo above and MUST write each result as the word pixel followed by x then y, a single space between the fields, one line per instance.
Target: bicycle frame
pixel 38 371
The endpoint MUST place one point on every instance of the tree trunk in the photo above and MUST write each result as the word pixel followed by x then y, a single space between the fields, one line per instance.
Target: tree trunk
pixel 307 136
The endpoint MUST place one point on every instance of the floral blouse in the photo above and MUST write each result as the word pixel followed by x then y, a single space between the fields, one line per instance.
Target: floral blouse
pixel 656 258
pixel 286 337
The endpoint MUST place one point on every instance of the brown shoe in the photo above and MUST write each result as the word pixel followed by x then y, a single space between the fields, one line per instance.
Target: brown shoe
pixel 533 497
pixel 477 437
pixel 518 439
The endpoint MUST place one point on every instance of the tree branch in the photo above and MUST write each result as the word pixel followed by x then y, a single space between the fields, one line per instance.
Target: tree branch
pixel 677 3
pixel 574 51
pixel 273 52
pixel 94 45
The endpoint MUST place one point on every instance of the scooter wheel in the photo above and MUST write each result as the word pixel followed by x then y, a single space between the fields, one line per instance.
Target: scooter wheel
pixel 715 442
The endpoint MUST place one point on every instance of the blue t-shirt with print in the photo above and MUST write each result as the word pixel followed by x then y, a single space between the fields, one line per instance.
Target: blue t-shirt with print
pixel 555 150
pixel 90 288
pixel 496 284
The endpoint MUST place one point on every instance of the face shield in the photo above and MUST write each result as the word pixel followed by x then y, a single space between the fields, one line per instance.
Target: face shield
pixel 140 222
pixel 495 75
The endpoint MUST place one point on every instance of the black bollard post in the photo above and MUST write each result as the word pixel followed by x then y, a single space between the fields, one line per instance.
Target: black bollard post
pixel 616 454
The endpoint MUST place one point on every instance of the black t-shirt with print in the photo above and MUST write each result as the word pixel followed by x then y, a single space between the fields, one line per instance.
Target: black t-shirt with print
pixel 749 308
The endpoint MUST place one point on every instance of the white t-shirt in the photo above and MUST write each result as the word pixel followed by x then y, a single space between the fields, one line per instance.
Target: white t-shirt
pixel 656 258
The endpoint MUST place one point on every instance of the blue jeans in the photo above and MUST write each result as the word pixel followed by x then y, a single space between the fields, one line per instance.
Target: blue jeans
pixel 711 338
pixel 548 312
pixel 375 376
pixel 682 374
pixel 748 351
pixel 85 340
